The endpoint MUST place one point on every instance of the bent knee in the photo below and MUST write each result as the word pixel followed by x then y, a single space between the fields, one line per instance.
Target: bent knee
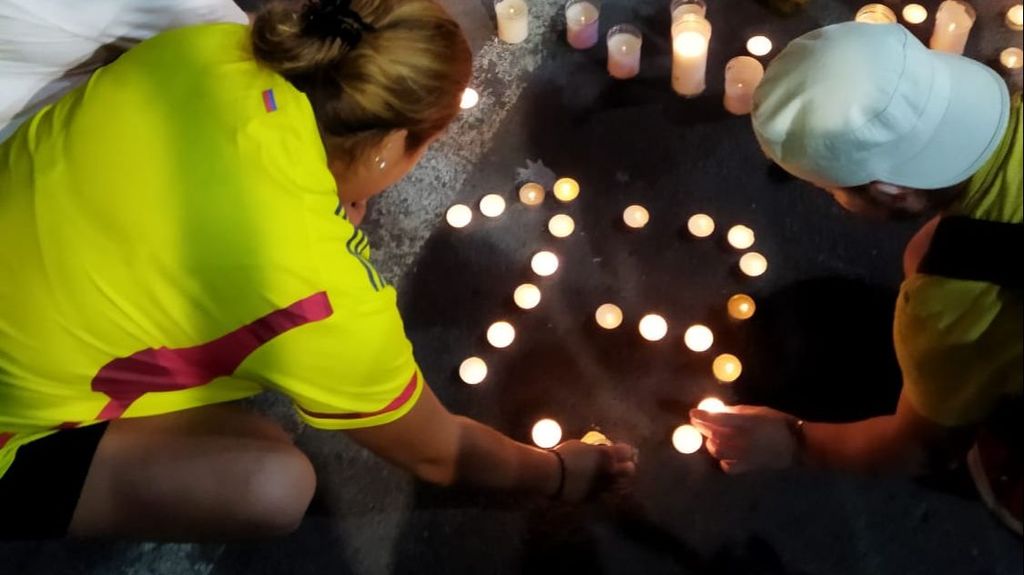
pixel 279 490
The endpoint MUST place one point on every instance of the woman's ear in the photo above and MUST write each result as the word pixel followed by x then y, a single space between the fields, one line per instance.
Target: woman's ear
pixel 391 148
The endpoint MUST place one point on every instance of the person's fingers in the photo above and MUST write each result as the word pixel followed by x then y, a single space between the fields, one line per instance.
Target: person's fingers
pixel 736 466
pixel 723 419
pixel 720 449
pixel 621 452
pixel 726 464
pixel 623 469
pixel 711 430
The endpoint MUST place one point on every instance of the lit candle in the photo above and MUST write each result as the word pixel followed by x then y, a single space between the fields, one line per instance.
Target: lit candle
pixel 625 43
pixel 753 264
pixel 914 13
pixel 513 20
pixel 594 437
pixel 759 45
pixel 742 75
pixel 740 237
pixel 683 8
pixel 473 370
pixel 566 189
pixel 953 22
pixel 544 263
pixel 546 433
pixel 741 306
pixel 686 439
pixel 531 194
pixel 698 338
pixel 459 216
pixel 609 316
pixel 690 37
pixel 1015 17
pixel 700 225
pixel 501 334
pixel 726 367
pixel 527 296
pixel 581 23
pixel 561 225
pixel 636 216
pixel 470 97
pixel 876 14
pixel 653 327
pixel 711 405
pixel 1011 58
pixel 492 205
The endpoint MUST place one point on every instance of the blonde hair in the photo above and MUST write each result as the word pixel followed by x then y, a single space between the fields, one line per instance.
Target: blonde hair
pixel 407 71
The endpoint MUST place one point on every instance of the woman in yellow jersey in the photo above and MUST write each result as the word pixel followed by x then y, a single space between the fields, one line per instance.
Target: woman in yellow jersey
pixel 178 233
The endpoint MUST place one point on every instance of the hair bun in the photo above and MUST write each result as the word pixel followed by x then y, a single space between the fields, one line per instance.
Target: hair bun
pixel 334 19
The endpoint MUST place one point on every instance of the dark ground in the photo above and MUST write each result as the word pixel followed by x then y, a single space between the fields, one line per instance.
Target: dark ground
pixel 819 344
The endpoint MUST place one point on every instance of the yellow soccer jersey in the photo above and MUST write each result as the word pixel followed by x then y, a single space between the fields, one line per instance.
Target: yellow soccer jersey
pixel 171 238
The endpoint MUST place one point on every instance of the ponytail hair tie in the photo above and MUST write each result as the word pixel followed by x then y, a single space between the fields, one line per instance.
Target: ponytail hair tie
pixel 335 19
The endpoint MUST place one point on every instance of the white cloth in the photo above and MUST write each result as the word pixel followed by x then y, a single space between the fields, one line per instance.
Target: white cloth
pixel 48 47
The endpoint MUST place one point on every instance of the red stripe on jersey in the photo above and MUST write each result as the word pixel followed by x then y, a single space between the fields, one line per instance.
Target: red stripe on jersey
pixel 396 403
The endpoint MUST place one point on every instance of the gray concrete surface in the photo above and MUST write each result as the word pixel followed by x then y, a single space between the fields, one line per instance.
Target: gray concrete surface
pixel 818 345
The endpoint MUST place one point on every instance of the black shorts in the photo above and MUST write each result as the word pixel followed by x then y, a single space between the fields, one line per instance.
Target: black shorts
pixel 40 491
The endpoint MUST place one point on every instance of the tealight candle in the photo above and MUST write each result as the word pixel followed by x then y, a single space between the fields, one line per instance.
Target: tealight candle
pixel 608 316
pixel 513 20
pixel 625 43
pixel 653 327
pixel 546 433
pixel 914 13
pixel 686 439
pixel 470 97
pixel 501 334
pixel 492 205
pixel 1015 17
pixel 1011 58
pixel 594 437
pixel 581 23
pixel 876 14
pixel 726 367
pixel 711 405
pixel 473 370
pixel 700 225
pixel 740 237
pixel 636 216
pixel 742 76
pixel 698 338
pixel 690 37
pixel 561 225
pixel 953 22
pixel 459 216
pixel 759 45
pixel 741 306
pixel 544 263
pixel 531 194
pixel 566 189
pixel 753 264
pixel 527 296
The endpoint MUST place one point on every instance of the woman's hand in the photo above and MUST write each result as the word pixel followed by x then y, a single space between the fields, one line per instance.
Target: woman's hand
pixel 748 438
pixel 593 468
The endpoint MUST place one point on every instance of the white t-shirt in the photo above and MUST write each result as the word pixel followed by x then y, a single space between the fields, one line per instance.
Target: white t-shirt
pixel 48 47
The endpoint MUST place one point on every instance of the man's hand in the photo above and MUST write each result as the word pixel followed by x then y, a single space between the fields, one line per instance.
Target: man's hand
pixel 746 438
pixel 593 468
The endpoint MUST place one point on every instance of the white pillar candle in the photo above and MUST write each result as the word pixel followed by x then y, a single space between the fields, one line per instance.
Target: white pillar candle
pixel 683 8
pixel 1011 58
pixel 566 189
pixel 742 75
pixel 700 225
pixel 470 98
pixel 690 37
pixel 561 225
pixel 686 439
pixel 526 296
pixel 759 45
pixel 501 334
pixel 492 205
pixel 1015 17
pixel 608 316
pixel 531 194
pixel 473 370
pixel 544 263
pixel 582 19
pixel 727 368
pixel 636 217
pixel 459 216
pixel 914 13
pixel 698 338
pixel 740 237
pixel 741 306
pixel 953 22
pixel 711 405
pixel 513 20
pixel 546 433
pixel 876 14
pixel 653 327
pixel 625 43
pixel 753 264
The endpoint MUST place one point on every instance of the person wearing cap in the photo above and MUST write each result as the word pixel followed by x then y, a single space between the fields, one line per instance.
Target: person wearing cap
pixel 893 129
